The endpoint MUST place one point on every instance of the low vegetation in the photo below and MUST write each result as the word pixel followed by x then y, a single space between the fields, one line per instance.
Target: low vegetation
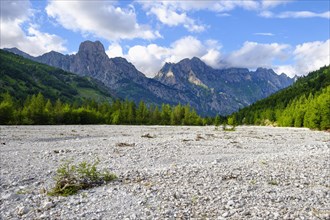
pixel 71 178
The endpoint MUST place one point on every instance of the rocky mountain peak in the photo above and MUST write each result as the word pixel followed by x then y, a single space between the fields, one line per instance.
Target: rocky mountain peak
pixel 93 48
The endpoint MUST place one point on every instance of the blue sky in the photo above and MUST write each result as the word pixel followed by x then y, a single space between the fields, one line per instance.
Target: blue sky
pixel 289 36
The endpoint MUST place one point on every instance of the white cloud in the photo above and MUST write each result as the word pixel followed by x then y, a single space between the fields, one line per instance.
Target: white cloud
pixel 212 58
pixel 115 50
pixel 175 13
pixel 303 58
pixel 273 3
pixel 264 34
pixel 307 57
pixel 14 15
pixel 169 16
pixel 149 59
pixel 311 56
pixel 253 55
pixel 99 18
pixel 15 10
pixel 287 69
pixel 217 6
pixel 304 14
pixel 295 14
pixel 186 47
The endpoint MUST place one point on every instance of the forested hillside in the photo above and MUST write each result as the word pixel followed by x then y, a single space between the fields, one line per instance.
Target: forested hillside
pixel 304 104
pixel 36 110
pixel 22 77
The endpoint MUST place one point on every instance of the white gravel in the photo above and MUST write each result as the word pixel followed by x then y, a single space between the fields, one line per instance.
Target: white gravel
pixel 179 173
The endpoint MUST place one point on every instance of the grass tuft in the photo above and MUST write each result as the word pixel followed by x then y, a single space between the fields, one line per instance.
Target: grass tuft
pixel 71 178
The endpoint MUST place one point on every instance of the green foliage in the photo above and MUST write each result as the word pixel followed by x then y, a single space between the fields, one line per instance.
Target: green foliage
pixel 71 178
pixel 36 110
pixel 22 77
pixel 304 104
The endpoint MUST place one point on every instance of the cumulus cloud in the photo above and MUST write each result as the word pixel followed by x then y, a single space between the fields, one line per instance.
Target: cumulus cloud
pixel 175 13
pixel 303 58
pixel 253 55
pixel 114 50
pixel 149 59
pixel 311 56
pixel 168 15
pixel 15 10
pixel 99 18
pixel 286 69
pixel 15 14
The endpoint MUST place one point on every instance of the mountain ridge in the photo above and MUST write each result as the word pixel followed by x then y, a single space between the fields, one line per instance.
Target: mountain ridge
pixel 210 91
pixel 22 77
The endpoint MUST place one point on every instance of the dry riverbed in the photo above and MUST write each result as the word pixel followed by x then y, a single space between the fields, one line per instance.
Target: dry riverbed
pixel 168 172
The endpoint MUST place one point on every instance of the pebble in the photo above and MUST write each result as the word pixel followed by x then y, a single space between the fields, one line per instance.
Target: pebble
pixel 22 210
pixel 47 205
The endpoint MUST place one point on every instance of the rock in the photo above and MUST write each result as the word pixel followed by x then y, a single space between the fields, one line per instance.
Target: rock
pixel 47 205
pixel 22 210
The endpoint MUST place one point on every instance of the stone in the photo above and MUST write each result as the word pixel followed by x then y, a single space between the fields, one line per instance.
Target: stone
pixel 22 210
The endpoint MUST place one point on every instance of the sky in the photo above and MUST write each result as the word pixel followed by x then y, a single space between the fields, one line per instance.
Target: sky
pixel 291 37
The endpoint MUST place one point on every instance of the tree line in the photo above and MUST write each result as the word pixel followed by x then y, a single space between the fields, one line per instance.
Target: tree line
pixel 312 111
pixel 36 110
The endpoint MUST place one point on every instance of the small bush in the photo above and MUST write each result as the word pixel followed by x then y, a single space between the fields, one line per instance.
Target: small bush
pixel 72 178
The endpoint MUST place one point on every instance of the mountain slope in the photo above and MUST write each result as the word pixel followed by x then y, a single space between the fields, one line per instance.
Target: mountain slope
pixel 190 81
pixel 22 77
pixel 226 89
pixel 305 103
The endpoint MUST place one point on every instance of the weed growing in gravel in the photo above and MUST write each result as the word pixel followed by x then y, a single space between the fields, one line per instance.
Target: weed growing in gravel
pixel 253 181
pixel 23 192
pixel 273 182
pixel 72 178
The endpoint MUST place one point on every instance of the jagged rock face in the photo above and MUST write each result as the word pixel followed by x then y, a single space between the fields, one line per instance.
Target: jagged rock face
pixel 226 90
pixel 91 60
pixel 210 91
pixel 55 59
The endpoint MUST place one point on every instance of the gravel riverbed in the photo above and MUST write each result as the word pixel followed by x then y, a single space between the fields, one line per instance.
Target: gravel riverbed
pixel 168 172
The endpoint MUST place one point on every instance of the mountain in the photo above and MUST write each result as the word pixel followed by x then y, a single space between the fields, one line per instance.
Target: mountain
pixel 116 73
pixel 22 77
pixel 225 89
pixel 306 103
pixel 207 90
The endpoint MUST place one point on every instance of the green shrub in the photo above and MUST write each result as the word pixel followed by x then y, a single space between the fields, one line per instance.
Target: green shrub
pixel 72 178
